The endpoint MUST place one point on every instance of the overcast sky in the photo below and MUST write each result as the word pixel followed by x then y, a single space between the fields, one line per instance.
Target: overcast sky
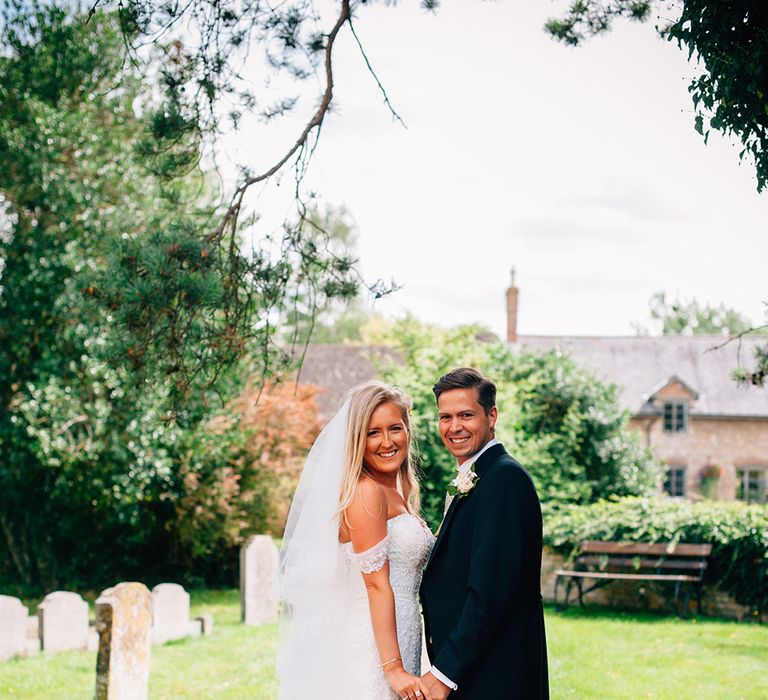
pixel 579 167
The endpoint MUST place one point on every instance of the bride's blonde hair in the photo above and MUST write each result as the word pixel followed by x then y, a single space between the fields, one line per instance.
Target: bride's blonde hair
pixel 363 401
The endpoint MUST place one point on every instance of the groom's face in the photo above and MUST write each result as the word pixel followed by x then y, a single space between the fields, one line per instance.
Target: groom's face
pixel 464 425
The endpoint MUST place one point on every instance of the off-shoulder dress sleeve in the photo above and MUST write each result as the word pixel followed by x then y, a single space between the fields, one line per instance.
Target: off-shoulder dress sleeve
pixel 374 558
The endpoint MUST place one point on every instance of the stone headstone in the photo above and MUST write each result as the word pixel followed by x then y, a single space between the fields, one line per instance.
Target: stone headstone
pixel 93 640
pixel 124 624
pixel 258 571
pixel 170 613
pixel 63 622
pixel 33 627
pixel 32 647
pixel 194 628
pixel 13 627
pixel 206 624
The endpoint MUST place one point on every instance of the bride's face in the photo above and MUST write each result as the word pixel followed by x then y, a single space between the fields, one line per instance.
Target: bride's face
pixel 386 445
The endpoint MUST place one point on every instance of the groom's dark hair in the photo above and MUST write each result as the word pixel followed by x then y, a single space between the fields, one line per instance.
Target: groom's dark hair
pixel 468 378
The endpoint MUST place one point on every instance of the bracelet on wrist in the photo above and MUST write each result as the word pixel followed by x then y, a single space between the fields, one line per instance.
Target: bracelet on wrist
pixel 391 661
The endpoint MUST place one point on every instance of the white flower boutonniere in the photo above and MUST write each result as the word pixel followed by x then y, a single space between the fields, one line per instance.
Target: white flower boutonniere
pixel 463 483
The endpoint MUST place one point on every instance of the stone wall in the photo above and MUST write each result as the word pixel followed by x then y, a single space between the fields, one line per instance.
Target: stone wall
pixel 728 443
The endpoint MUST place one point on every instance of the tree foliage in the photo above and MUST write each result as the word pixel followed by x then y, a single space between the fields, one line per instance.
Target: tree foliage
pixel 728 41
pixel 118 139
pixel 108 276
pixel 690 317
pixel 328 320
pixel 559 421
pixel 236 476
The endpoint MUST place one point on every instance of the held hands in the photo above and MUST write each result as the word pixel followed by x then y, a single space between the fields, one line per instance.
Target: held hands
pixel 437 690
pixel 407 686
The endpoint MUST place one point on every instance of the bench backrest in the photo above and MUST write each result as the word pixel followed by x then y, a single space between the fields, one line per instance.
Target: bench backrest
pixel 644 557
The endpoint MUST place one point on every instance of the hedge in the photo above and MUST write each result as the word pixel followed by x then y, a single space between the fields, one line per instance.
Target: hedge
pixel 738 533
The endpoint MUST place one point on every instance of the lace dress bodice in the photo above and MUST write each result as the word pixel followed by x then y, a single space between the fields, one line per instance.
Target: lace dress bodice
pixel 406 546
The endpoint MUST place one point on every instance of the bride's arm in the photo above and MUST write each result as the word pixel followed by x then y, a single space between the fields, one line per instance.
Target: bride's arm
pixel 366 519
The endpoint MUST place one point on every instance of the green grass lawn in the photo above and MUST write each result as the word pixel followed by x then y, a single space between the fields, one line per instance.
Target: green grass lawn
pixel 595 654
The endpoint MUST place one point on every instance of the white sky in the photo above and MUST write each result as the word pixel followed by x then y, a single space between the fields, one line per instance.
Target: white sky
pixel 579 167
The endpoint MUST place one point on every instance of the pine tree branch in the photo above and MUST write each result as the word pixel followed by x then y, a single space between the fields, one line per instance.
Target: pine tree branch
pixel 375 77
pixel 232 213
pixel 738 337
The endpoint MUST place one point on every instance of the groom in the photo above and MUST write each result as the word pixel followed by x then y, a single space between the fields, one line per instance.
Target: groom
pixel 481 589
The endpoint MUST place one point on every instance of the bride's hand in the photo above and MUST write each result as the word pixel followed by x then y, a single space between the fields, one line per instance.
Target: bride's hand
pixel 407 686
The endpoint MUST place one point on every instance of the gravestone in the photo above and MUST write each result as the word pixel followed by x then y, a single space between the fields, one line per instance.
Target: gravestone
pixel 170 613
pixel 93 637
pixel 124 624
pixel 206 624
pixel 63 622
pixel 258 572
pixel 33 627
pixel 194 628
pixel 13 627
pixel 32 646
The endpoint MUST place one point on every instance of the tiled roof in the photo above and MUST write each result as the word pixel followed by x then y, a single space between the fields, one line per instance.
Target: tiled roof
pixel 638 364
pixel 338 368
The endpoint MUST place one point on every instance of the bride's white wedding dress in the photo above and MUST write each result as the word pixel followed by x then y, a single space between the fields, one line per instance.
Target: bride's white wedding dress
pixel 406 547
pixel 326 648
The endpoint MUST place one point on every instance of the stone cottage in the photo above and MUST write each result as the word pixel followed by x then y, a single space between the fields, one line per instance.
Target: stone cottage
pixel 710 432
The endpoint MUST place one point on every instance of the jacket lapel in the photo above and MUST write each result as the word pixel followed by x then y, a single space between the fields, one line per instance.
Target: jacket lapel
pixel 486 459
pixel 443 528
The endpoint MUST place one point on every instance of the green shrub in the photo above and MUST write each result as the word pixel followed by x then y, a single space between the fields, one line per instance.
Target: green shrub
pixel 738 533
pixel 564 425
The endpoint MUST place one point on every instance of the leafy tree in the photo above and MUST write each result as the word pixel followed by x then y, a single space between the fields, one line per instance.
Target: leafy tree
pixel 209 42
pixel 691 317
pixel 108 275
pixel 236 475
pixel 728 40
pixel 186 298
pixel 69 436
pixel 329 320
pixel 556 418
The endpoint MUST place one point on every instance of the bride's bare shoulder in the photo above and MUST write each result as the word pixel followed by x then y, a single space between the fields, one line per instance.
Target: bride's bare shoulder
pixel 370 498
pixel 365 519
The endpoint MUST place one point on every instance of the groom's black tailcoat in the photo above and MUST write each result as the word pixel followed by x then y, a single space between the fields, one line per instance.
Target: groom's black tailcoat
pixel 481 591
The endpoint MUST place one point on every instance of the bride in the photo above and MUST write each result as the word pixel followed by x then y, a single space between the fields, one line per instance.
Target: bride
pixel 352 558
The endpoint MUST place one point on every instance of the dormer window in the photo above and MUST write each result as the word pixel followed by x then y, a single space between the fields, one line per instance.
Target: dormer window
pixel 673 399
pixel 675 417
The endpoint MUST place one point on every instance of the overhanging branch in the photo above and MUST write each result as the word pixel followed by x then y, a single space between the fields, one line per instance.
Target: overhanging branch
pixel 230 216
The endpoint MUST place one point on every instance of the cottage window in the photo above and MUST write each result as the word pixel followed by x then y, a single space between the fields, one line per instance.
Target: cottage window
pixel 674 482
pixel 752 484
pixel 675 417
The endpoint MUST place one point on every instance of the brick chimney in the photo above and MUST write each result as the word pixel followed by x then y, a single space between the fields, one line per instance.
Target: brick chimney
pixel 512 310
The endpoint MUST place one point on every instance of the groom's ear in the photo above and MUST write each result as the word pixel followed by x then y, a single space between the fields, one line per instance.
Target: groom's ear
pixel 493 414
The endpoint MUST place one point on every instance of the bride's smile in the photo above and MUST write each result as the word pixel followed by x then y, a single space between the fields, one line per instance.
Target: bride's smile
pixel 386 444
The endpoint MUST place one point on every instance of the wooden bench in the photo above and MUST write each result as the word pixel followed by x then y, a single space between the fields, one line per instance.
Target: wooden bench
pixel 604 562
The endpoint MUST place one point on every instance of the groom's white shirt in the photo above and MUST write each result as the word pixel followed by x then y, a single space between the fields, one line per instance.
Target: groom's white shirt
pixel 463 469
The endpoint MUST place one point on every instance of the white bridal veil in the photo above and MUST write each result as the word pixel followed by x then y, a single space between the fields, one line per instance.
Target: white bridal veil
pixel 312 581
